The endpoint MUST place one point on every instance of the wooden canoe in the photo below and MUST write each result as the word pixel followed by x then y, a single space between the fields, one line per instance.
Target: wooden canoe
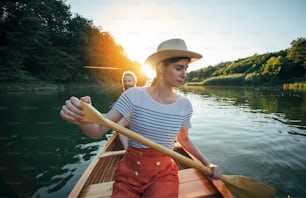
pixel 97 180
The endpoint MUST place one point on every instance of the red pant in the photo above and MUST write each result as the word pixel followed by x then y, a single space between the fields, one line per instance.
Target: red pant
pixel 145 173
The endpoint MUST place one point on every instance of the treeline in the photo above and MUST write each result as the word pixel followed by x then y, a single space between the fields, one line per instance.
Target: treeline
pixel 286 66
pixel 43 41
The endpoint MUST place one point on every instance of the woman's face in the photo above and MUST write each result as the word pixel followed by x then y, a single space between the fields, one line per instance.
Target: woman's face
pixel 175 73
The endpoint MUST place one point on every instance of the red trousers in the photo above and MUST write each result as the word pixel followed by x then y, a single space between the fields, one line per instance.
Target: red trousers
pixel 146 173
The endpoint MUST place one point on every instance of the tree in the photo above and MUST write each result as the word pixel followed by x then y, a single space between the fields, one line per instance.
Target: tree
pixel 41 40
pixel 272 67
pixel 297 52
pixel 34 33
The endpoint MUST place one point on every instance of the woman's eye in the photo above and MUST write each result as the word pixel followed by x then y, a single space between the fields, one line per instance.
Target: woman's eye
pixel 181 68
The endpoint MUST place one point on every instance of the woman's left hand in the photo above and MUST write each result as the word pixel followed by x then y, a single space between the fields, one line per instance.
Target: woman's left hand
pixel 216 171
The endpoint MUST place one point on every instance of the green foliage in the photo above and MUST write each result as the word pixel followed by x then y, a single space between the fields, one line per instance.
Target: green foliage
pixel 272 67
pixel 42 40
pixel 229 80
pixel 253 79
pixel 266 69
pixel 297 86
pixel 297 52
pixel 195 79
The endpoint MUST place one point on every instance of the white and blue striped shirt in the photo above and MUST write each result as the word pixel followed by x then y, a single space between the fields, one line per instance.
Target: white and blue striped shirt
pixel 158 122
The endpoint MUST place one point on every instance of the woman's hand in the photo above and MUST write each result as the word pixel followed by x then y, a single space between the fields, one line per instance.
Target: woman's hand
pixel 72 111
pixel 86 99
pixel 216 171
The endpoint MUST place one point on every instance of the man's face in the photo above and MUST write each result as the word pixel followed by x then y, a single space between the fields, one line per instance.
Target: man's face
pixel 128 82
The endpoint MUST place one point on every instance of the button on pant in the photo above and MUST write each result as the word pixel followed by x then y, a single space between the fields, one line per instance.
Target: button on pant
pixel 145 173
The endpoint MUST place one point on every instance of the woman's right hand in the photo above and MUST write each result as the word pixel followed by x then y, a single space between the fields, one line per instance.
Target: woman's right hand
pixel 216 171
pixel 72 111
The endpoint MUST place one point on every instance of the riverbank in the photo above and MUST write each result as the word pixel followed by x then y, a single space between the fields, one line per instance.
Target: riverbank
pixel 295 86
pixel 44 86
pixel 291 86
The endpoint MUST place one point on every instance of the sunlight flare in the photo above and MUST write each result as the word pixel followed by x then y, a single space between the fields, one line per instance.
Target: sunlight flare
pixel 148 71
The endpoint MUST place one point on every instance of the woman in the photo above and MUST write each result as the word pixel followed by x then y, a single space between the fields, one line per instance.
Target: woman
pixel 156 112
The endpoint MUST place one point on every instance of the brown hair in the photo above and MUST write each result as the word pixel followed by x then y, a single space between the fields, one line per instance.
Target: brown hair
pixel 173 60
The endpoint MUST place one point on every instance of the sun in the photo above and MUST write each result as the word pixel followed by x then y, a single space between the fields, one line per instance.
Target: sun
pixel 148 71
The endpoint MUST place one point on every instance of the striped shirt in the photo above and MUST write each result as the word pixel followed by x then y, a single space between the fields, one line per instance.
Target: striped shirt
pixel 151 119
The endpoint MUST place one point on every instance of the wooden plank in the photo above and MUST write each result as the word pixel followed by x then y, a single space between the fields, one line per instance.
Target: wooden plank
pixel 223 190
pixel 101 190
pixel 177 145
pixel 194 184
pixel 86 175
pixel 218 184
pixel 112 153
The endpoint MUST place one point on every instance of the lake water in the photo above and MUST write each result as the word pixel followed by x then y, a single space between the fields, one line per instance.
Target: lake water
pixel 259 133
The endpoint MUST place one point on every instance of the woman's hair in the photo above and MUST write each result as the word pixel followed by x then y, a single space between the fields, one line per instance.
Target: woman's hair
pixel 168 62
pixel 173 60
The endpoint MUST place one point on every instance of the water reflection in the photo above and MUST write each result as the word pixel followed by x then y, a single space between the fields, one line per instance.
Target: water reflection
pixel 254 132
pixel 258 133
pixel 282 105
pixel 38 148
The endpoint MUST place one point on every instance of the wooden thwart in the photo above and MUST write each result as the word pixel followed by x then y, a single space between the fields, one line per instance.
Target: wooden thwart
pixel 112 153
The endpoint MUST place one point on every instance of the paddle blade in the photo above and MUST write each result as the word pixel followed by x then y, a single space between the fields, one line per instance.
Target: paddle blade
pixel 245 187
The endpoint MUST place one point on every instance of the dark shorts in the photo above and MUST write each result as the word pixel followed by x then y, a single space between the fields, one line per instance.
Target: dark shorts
pixel 146 173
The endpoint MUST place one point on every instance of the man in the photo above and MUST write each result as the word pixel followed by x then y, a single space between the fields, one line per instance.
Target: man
pixel 129 80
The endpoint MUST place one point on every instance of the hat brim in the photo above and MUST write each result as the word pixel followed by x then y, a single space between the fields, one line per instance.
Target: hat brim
pixel 157 57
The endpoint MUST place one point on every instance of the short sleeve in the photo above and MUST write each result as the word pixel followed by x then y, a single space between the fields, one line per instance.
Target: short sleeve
pixel 124 105
pixel 186 123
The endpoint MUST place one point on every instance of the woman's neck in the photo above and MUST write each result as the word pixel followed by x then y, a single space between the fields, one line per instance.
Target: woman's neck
pixel 162 93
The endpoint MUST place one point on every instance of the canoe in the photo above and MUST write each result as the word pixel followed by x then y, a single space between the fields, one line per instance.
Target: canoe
pixel 97 180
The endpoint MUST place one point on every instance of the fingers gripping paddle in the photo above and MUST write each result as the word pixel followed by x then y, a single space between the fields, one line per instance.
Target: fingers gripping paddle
pixel 241 186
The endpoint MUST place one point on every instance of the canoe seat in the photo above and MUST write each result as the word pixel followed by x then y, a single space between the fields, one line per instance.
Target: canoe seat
pixel 101 190
pixel 192 184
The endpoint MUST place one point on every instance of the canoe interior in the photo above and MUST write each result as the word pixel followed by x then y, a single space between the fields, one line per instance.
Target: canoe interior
pixel 100 173
pixel 104 169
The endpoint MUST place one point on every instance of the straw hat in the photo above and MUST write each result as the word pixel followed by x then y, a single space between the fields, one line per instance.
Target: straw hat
pixel 170 49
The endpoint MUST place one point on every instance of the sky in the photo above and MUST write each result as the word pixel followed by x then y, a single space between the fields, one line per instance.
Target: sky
pixel 220 30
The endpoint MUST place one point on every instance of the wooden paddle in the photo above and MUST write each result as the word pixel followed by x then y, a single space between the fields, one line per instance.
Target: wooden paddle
pixel 241 186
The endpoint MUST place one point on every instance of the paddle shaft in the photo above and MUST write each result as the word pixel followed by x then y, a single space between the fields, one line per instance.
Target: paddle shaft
pixel 129 133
